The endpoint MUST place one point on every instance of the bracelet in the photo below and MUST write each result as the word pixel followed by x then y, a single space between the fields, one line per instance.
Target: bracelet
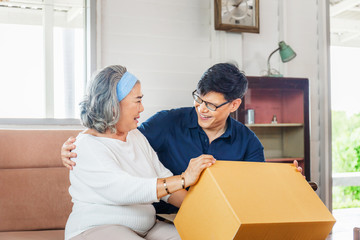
pixel 165 186
pixel 182 181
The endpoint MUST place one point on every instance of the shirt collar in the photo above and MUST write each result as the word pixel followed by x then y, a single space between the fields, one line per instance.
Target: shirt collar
pixel 228 130
pixel 193 123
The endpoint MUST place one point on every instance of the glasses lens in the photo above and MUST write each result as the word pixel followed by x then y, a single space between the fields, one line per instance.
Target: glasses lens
pixel 211 106
pixel 197 98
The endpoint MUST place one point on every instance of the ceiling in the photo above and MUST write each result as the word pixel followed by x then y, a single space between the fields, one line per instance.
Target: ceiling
pixel 345 23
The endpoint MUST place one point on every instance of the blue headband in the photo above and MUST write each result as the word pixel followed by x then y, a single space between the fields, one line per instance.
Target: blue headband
pixel 125 85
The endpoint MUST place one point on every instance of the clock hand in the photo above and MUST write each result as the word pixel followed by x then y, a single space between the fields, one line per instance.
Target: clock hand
pixel 237 5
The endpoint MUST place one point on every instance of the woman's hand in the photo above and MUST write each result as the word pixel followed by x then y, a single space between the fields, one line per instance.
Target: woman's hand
pixel 66 153
pixel 174 185
pixel 195 168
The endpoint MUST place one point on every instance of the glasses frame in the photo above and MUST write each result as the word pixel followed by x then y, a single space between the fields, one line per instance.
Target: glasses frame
pixel 196 96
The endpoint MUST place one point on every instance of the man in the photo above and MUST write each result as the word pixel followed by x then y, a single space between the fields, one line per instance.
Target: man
pixel 179 135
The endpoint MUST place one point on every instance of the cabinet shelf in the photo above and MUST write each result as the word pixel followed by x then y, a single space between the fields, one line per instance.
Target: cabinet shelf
pixel 287 99
pixel 274 125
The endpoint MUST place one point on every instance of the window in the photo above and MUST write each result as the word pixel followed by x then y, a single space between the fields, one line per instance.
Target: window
pixel 43 58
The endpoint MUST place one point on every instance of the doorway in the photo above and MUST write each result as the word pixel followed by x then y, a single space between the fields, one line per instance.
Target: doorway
pixel 345 113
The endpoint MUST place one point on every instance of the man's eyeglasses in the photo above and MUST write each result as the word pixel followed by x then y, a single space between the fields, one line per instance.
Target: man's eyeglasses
pixel 210 106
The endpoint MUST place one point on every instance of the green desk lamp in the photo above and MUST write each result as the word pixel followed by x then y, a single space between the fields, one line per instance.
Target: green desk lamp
pixel 286 54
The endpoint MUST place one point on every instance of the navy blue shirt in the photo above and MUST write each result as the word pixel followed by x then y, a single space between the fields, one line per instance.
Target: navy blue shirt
pixel 177 137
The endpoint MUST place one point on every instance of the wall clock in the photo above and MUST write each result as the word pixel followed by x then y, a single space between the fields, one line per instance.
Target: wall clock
pixel 237 15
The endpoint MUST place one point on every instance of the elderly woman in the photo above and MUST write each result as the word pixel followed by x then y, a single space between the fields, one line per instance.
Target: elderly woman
pixel 117 174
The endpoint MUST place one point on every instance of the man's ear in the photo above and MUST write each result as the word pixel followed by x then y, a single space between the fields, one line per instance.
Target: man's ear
pixel 235 104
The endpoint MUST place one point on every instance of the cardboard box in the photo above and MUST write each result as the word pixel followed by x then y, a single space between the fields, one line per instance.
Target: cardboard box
pixel 244 200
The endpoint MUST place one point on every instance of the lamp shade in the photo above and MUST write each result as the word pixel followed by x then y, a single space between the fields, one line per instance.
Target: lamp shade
pixel 286 52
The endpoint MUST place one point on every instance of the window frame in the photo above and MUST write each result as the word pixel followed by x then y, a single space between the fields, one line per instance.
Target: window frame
pixel 90 66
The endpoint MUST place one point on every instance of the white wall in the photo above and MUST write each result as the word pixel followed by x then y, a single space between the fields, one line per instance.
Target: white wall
pixel 169 44
pixel 257 47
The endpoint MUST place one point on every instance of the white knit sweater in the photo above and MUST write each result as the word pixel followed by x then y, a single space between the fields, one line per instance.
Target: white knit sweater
pixel 114 182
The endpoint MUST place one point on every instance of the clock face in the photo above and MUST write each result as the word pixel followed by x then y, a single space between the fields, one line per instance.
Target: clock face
pixel 238 12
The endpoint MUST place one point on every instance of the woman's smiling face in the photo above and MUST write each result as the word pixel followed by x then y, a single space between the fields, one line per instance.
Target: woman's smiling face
pixel 130 109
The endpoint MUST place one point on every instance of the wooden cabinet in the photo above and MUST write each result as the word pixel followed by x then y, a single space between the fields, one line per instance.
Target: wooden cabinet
pixel 285 100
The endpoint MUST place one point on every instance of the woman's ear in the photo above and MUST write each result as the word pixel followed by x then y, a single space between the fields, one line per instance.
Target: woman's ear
pixel 235 104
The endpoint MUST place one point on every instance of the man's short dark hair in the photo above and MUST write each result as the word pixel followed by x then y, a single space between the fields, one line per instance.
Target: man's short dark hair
pixel 223 78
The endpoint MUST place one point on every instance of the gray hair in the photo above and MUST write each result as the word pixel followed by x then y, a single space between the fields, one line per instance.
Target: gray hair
pixel 100 108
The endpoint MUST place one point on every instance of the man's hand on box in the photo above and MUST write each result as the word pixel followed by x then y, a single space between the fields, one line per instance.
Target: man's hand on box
pixel 66 153
pixel 296 164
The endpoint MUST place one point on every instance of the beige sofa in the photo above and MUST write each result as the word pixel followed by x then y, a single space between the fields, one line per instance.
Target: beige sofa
pixel 34 198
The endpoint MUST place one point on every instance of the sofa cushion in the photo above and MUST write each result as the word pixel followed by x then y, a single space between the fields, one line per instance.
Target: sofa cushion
pixel 34 198
pixel 33 235
pixel 32 148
